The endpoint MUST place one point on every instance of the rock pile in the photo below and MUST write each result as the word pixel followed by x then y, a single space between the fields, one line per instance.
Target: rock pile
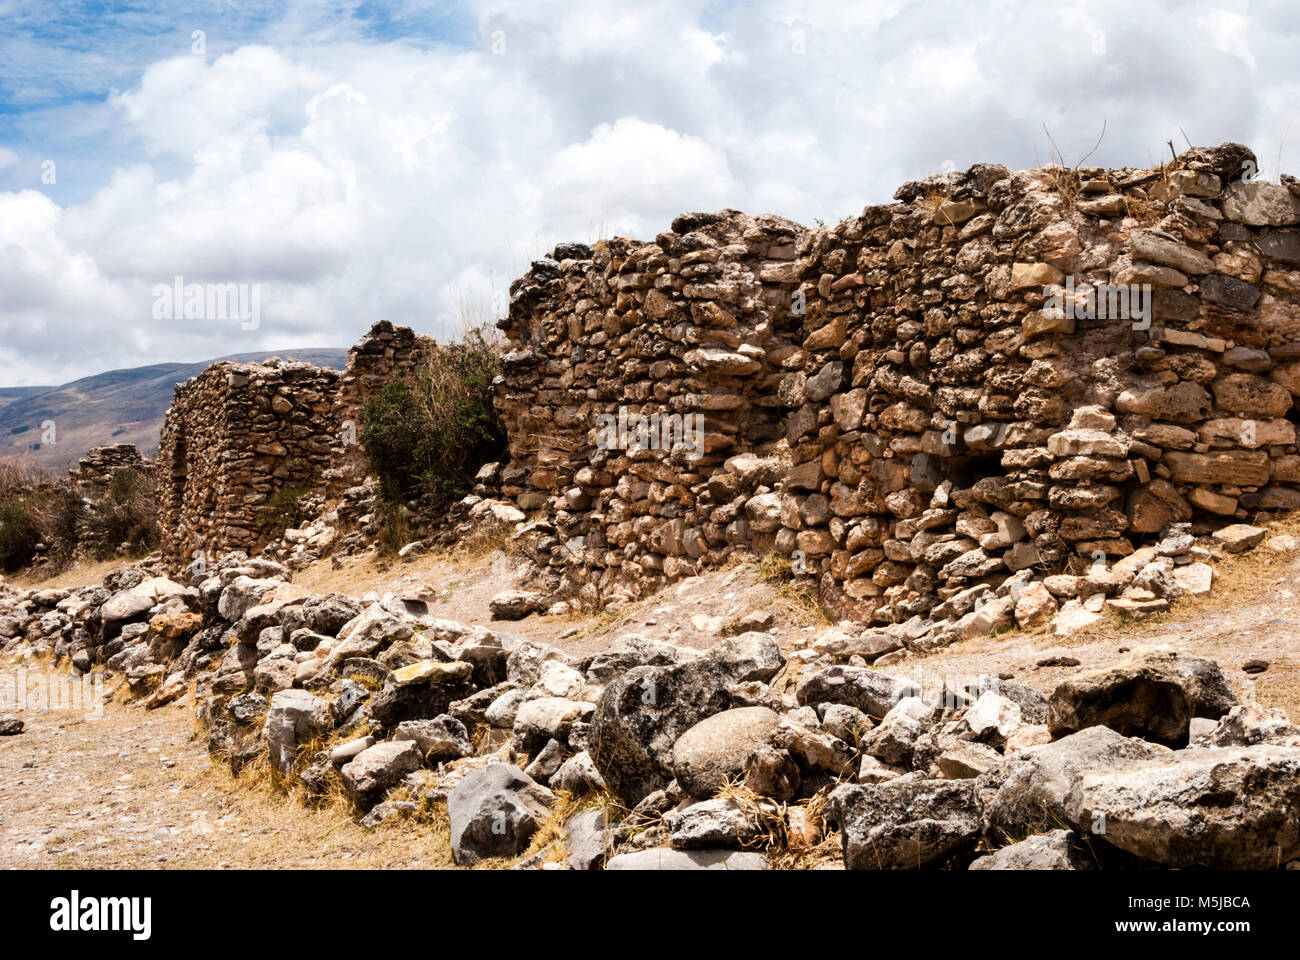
pixel 731 757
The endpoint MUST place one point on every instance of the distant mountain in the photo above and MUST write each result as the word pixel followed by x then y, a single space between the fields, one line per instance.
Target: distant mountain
pixel 120 406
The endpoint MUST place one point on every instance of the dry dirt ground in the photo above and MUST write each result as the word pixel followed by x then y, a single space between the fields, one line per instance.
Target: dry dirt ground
pixel 133 788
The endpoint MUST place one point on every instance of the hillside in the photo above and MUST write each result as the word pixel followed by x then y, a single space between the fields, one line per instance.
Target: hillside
pixel 119 406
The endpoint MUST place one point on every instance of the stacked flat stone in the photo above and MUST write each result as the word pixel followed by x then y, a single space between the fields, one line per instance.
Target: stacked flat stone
pixel 697 322
pixel 909 403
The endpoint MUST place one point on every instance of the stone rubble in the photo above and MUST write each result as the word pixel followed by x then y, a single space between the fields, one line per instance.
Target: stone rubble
pixel 735 755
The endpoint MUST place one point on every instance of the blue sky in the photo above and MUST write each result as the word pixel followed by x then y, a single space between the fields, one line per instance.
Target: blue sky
pixel 405 161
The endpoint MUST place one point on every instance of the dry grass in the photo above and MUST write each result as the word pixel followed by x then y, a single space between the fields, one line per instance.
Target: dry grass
pixel 769 815
pixel 1065 178
pixel 934 200
pixel 77 575
pixel 798 602
pixel 1145 212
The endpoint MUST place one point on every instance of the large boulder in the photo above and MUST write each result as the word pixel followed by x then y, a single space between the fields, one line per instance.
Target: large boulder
pixel 494 812
pixel 904 824
pixel 714 751
pixel 893 741
pixel 235 670
pixel 1153 694
pixel 1028 793
pixel 872 692
pixel 587 838
pixel 527 657
pixel 633 650
pixel 1057 850
pixel 364 636
pixel 294 717
pixel 712 824
pixel 125 605
pixel 578 775
pixel 439 739
pixel 548 718
pixel 642 713
pixel 376 770
pixel 421 691
pixel 329 613
pixel 242 594
pixel 1248 724
pixel 1230 808
pixel 749 656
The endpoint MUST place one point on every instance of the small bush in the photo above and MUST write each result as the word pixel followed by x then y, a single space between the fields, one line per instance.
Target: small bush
pixel 427 434
pixel 18 538
pixel 18 534
pixel 128 514
pixel 54 513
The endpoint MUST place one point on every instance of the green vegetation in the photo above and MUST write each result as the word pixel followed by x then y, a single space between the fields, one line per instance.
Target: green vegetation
pixel 39 517
pixel 427 434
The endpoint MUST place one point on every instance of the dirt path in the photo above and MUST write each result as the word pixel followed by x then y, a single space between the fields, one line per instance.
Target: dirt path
pixel 132 789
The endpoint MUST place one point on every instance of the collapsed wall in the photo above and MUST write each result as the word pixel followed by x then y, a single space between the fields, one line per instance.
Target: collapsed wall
pixel 997 372
pixel 94 473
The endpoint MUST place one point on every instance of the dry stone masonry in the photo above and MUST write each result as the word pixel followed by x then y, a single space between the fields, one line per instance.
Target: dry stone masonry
pixel 1000 376
pixel 238 433
pixel 94 473
pixel 235 435
pixel 695 325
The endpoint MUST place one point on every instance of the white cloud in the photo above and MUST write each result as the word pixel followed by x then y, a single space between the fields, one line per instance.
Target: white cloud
pixel 359 180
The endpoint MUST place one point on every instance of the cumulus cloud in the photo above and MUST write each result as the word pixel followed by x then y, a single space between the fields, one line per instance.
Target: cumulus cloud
pixel 386 174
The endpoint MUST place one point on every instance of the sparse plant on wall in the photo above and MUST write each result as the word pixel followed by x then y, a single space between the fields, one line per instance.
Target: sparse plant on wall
pixel 127 515
pixel 284 509
pixel 426 434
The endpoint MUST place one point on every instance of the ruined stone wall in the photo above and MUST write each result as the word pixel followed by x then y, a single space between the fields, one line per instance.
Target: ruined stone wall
pixel 695 323
pixel 951 411
pixel 94 472
pixel 238 433
pixel 235 435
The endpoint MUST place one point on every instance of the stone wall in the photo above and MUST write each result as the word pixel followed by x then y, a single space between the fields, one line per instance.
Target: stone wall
pixel 238 433
pixel 925 396
pixel 697 322
pixel 235 435
pixel 94 473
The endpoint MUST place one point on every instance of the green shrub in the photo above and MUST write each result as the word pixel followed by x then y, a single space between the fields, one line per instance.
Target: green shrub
pixel 18 537
pixel 427 434
pixel 128 514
